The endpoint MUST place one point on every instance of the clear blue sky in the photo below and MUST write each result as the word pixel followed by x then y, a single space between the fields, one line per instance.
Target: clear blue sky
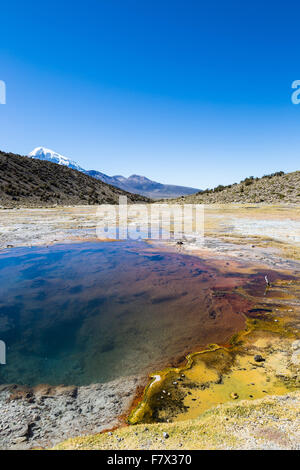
pixel 182 91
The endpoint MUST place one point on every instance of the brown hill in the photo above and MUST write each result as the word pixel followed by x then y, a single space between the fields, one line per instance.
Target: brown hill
pixel 274 188
pixel 29 182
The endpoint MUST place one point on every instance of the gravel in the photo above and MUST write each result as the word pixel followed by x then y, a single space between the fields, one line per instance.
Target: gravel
pixel 45 416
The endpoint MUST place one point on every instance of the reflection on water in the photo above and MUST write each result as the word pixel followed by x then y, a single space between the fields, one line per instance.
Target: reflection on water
pixel 92 312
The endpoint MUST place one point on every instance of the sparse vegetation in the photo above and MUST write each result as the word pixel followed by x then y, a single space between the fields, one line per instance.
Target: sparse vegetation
pixel 31 182
pixel 272 188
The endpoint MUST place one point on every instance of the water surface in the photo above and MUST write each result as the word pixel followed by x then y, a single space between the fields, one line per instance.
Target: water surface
pixel 92 312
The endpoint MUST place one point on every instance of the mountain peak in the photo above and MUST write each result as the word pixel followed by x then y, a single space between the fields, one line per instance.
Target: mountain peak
pixel 139 178
pixel 43 153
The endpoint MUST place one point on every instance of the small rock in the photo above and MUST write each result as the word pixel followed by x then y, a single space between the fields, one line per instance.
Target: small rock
pixel 23 431
pixel 296 345
pixel 258 358
pixel 234 395
pixel 166 435
pixel 20 439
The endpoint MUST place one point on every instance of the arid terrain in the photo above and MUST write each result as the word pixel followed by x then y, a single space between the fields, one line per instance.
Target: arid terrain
pixel 30 182
pixel 34 183
pixel 270 189
pixel 269 423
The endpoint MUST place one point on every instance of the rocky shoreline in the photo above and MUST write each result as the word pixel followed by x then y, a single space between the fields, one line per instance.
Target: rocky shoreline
pixel 43 416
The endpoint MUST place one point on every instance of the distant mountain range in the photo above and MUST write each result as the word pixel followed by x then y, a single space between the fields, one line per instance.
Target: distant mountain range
pixel 134 184
pixel 30 182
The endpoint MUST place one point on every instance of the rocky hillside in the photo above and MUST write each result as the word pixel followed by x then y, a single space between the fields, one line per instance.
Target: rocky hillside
pixel 30 182
pixel 133 184
pixel 274 188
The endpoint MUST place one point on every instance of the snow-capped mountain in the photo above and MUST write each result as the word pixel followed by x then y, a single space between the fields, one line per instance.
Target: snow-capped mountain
pixel 43 153
pixel 134 184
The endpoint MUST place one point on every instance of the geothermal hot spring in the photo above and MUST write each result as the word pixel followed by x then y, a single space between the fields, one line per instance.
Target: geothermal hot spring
pixel 92 312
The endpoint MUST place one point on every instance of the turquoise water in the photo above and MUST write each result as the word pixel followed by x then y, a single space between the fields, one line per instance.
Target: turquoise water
pixel 93 312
